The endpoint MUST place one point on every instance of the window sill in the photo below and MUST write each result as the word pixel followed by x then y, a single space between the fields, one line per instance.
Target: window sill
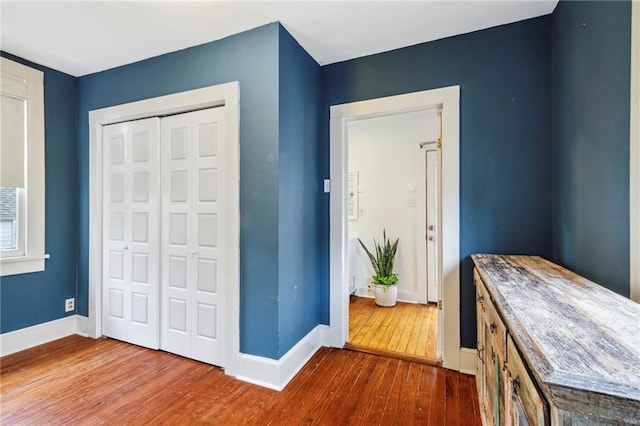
pixel 22 264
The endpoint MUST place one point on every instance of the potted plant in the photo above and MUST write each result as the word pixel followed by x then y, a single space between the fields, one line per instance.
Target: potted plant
pixel 384 280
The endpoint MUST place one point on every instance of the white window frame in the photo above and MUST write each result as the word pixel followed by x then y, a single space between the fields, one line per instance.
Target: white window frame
pixel 33 259
pixel 19 225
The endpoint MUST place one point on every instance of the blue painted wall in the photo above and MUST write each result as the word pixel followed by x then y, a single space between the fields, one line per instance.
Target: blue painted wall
pixel 300 193
pixel 591 47
pixel 505 132
pixel 38 297
pixel 252 59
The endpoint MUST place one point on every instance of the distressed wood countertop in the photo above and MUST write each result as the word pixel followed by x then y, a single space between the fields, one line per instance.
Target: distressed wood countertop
pixel 578 338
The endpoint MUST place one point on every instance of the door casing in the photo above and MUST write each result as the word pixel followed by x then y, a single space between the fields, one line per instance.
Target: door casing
pixel 447 99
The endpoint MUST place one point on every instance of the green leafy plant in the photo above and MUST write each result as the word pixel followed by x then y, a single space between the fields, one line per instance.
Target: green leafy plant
pixel 382 261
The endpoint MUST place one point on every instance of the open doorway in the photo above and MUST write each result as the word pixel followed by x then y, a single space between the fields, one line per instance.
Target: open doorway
pixel 394 185
pixel 447 101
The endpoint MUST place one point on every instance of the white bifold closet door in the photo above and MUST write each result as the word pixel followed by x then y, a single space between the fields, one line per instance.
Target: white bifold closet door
pixel 193 234
pixel 130 291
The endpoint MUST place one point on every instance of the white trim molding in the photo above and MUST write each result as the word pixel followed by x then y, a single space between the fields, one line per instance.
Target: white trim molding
pixel 446 99
pixel 28 337
pixel 27 83
pixel 275 374
pixel 224 94
pixel 634 148
pixel 468 361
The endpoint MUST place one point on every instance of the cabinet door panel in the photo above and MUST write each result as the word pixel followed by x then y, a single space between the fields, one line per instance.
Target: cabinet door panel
pixel 481 380
pixel 525 395
pixel 497 330
pixel 491 335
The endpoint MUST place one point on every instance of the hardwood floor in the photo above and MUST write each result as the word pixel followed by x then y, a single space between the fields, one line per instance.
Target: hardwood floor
pixel 407 330
pixel 79 381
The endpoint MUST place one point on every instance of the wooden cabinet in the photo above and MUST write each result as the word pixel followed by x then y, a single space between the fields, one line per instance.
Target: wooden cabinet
pixel 507 394
pixel 553 347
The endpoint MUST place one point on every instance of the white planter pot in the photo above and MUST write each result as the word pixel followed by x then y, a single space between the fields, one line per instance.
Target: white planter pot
pixel 385 296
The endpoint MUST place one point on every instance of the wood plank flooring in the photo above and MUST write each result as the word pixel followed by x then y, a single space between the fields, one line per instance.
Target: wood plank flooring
pixel 82 381
pixel 407 329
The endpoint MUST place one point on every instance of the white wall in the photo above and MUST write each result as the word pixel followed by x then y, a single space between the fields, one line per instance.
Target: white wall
pixel 385 152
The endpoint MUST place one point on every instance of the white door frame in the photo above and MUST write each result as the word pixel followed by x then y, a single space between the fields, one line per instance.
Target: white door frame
pixel 634 148
pixel 212 96
pixel 448 100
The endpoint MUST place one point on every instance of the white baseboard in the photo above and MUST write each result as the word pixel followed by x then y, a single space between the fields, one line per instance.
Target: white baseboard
pixel 28 337
pixel 407 297
pixel 364 292
pixel 83 326
pixel 468 361
pixel 275 374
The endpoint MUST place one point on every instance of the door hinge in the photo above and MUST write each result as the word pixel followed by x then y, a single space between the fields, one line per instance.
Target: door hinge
pixel 440 304
pixel 439 142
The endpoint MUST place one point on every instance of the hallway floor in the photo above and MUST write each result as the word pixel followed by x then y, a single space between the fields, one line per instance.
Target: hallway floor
pixel 407 330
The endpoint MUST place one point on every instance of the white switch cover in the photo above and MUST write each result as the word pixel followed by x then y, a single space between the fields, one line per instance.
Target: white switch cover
pixel 327 185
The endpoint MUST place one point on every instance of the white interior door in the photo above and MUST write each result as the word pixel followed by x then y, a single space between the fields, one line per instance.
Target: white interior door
pixel 130 288
pixel 427 238
pixel 432 183
pixel 193 235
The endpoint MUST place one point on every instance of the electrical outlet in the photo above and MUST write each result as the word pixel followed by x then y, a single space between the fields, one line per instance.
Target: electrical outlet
pixel 69 304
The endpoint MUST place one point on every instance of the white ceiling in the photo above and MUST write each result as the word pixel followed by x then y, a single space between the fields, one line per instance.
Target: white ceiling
pixel 84 37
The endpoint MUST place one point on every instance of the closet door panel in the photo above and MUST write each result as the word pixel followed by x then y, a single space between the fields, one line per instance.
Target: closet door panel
pixel 144 240
pixel 192 218
pixel 114 287
pixel 174 269
pixel 208 173
pixel 130 234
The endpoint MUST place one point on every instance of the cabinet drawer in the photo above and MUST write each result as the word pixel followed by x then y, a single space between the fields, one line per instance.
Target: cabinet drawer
pixel 526 399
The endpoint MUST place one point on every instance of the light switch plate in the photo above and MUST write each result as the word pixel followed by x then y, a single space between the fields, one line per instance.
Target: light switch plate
pixel 327 185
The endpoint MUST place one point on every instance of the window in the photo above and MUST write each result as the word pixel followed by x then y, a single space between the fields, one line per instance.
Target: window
pixel 21 169
pixel 11 222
